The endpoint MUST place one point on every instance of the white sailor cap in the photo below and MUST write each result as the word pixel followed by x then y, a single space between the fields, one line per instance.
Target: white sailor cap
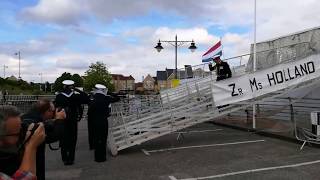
pixel 100 86
pixel 68 82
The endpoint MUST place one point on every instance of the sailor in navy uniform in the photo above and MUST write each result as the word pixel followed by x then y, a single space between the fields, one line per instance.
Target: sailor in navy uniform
pixel 70 99
pixel 98 113
pixel 222 69
pixel 89 121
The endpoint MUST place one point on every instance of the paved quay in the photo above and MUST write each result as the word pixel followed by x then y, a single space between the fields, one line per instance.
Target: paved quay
pixel 207 152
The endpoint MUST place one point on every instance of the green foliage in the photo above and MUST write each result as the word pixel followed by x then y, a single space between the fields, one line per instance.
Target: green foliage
pixel 78 80
pixel 58 86
pixel 98 74
pixel 18 87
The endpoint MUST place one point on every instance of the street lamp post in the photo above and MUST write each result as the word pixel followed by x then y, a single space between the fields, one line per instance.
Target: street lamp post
pixel 254 59
pixel 176 44
pixel 40 74
pixel 18 54
pixel 4 71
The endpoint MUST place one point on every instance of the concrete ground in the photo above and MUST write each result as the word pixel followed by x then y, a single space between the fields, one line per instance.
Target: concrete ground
pixel 221 153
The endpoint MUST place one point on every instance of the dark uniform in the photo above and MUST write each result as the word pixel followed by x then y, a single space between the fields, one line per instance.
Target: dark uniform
pixel 70 102
pixel 222 69
pixel 98 113
pixel 223 72
pixel 53 134
pixel 89 121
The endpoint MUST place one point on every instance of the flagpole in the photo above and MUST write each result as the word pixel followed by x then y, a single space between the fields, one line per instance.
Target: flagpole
pixel 222 54
pixel 176 57
pixel 254 59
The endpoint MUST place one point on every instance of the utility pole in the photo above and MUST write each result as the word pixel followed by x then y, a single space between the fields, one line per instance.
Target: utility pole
pixel 4 71
pixel 40 74
pixel 19 55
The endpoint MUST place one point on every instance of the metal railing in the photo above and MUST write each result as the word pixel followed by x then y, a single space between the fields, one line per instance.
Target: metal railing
pixel 280 54
pixel 22 102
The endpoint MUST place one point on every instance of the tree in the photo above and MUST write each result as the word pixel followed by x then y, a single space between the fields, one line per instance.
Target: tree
pixel 58 86
pixel 98 74
pixel 78 81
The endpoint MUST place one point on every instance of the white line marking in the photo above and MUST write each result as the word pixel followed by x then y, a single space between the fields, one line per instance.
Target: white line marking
pixel 201 146
pixel 199 131
pixel 145 152
pixel 253 170
pixel 172 178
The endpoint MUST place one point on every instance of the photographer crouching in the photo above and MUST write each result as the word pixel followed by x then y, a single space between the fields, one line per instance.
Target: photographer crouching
pixel 43 111
pixel 14 145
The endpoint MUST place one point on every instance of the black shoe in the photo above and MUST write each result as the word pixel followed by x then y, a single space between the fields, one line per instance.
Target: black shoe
pixel 68 163
pixel 100 160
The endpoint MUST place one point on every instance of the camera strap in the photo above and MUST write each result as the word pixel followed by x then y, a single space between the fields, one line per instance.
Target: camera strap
pixel 53 148
pixel 29 137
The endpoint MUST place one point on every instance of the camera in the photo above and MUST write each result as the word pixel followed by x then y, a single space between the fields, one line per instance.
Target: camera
pixel 48 126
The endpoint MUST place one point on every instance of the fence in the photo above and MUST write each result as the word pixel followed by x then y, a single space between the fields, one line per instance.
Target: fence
pixel 22 102
pixel 269 57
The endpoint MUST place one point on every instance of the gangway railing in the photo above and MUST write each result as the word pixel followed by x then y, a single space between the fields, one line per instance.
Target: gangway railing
pixel 282 54
pixel 184 106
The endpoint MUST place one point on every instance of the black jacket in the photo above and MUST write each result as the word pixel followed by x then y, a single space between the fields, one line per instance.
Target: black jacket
pixel 54 130
pixel 222 69
pixel 71 103
pixel 99 107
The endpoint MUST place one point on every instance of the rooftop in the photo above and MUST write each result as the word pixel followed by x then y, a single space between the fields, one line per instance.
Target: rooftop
pixel 121 77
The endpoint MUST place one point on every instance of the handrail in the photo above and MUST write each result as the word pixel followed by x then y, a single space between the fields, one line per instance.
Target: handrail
pixel 203 73
pixel 247 54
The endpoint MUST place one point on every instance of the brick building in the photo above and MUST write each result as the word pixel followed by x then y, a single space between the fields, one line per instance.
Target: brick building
pixel 123 83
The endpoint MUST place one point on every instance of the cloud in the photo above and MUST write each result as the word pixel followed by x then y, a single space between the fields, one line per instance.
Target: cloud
pixel 72 12
pixel 274 18
pixel 140 59
pixel 63 12
pixel 237 43
pixel 72 63
pixel 149 35
pixel 234 45
pixel 277 18
pixel 88 31
pixel 200 35
pixel 137 59
pixel 222 13
pixel 34 47
pixel 132 51
pixel 27 66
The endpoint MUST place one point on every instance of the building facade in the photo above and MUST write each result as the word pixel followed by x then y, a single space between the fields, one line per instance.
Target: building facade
pixel 123 83
pixel 149 83
pixel 163 80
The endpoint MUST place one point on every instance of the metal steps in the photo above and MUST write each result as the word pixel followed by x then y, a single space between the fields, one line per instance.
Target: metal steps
pixel 179 108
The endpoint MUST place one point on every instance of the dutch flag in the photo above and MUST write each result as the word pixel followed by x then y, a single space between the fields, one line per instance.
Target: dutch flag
pixel 213 52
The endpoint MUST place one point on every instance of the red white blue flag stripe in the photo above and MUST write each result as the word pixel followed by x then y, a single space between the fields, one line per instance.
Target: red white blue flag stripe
pixel 213 52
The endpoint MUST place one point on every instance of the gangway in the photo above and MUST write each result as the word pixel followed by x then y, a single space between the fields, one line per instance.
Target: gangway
pixel 195 108
pixel 193 102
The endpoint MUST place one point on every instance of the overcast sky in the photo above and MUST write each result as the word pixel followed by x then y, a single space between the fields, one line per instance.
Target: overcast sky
pixel 56 36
